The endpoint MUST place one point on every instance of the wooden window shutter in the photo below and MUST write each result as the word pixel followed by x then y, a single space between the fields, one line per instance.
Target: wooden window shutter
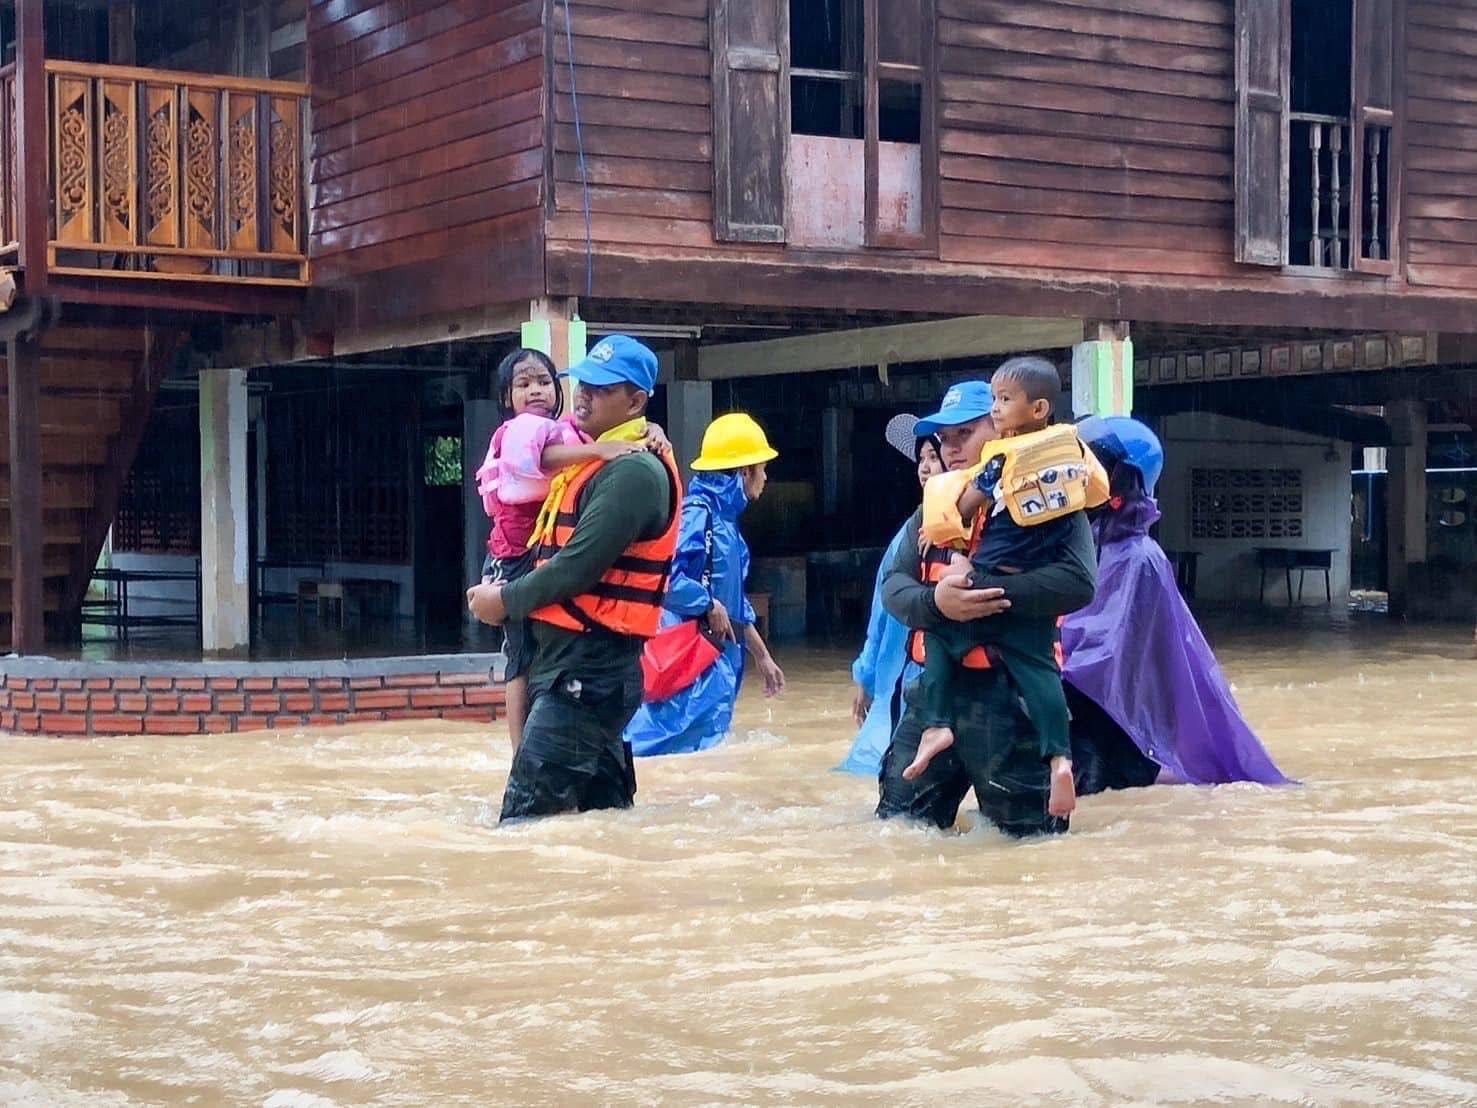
pixel 1263 30
pixel 751 118
pixel 1376 155
pixel 899 54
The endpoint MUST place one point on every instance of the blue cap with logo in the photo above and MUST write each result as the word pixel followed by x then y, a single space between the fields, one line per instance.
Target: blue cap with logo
pixel 616 360
pixel 963 403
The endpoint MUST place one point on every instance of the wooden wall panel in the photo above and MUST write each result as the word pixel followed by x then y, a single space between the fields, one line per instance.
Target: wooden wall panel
pixel 1067 128
pixel 428 144
pixel 643 79
pixel 1093 137
pixel 1441 143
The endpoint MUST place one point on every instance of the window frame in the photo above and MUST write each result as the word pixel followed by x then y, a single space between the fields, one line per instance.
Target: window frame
pixel 924 75
pixel 1274 17
pixel 1362 115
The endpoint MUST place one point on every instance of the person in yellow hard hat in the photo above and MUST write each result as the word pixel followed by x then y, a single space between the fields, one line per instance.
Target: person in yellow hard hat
pixel 707 585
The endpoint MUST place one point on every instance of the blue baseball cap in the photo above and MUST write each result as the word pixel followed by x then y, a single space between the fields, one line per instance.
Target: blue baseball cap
pixel 963 403
pixel 617 360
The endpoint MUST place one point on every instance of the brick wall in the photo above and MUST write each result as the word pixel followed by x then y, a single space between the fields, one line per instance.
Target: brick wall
pixel 43 696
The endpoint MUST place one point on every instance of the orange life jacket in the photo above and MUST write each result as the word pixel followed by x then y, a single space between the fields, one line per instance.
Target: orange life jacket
pixel 628 597
pixel 933 568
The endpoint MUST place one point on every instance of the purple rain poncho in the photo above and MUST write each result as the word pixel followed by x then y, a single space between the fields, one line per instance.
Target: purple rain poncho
pixel 1137 652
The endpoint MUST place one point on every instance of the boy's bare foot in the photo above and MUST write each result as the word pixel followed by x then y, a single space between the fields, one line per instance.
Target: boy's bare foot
pixel 1063 799
pixel 934 742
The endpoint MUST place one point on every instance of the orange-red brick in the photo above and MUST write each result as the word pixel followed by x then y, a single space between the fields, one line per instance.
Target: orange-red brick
pixel 172 725
pixel 68 724
pixel 464 679
pixel 382 698
pixel 118 725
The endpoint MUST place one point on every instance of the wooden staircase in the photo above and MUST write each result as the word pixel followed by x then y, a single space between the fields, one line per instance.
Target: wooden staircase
pixel 98 385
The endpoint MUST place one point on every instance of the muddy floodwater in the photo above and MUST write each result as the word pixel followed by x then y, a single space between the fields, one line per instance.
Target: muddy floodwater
pixel 332 918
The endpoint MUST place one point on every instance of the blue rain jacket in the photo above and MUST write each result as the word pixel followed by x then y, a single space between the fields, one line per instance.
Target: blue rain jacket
pixel 882 663
pixel 702 715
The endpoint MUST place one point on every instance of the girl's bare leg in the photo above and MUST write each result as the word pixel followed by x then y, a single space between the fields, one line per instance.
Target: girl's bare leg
pixel 516 692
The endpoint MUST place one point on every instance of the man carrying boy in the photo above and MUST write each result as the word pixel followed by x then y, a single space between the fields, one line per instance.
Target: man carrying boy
pixel 997 748
pixel 1019 502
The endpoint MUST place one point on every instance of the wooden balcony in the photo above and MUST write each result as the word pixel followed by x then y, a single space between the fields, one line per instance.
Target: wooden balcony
pixel 166 176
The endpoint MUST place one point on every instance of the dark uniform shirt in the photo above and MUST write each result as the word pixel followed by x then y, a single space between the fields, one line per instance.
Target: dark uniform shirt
pixel 1025 635
pixel 630 500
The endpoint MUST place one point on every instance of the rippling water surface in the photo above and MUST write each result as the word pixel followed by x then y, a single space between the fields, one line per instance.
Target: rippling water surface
pixel 331 918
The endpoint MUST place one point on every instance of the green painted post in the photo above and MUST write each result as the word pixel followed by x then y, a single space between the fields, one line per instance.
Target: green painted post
pixel 1102 378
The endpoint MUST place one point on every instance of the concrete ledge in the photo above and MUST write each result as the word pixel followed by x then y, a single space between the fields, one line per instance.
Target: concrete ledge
pixel 48 696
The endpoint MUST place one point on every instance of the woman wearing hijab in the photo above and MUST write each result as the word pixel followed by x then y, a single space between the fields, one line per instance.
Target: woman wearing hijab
pixel 882 668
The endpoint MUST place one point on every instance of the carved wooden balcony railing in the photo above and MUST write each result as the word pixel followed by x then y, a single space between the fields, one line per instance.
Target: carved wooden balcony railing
pixel 178 176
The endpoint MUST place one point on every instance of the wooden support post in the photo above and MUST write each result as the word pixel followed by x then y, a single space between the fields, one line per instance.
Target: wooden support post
pixel 122 45
pixel 32 141
pixel 479 420
pixel 1405 500
pixel 27 528
pixel 1102 371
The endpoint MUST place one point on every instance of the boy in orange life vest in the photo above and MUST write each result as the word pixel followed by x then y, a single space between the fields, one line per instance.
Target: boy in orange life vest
pixel 605 544
pixel 1028 491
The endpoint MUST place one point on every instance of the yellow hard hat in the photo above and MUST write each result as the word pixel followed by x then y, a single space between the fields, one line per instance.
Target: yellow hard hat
pixel 732 442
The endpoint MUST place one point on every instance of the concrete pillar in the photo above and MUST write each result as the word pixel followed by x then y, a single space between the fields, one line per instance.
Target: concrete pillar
pixel 225 562
pixel 689 411
pixel 1102 371
pixel 479 419
pixel 555 328
pixel 689 402
pixel 1405 499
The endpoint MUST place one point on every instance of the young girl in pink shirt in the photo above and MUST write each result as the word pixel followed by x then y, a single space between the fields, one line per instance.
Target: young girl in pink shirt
pixel 531 444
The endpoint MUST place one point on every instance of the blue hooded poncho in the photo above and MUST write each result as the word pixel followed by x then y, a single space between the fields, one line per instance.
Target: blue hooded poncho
pixel 701 716
pixel 882 663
